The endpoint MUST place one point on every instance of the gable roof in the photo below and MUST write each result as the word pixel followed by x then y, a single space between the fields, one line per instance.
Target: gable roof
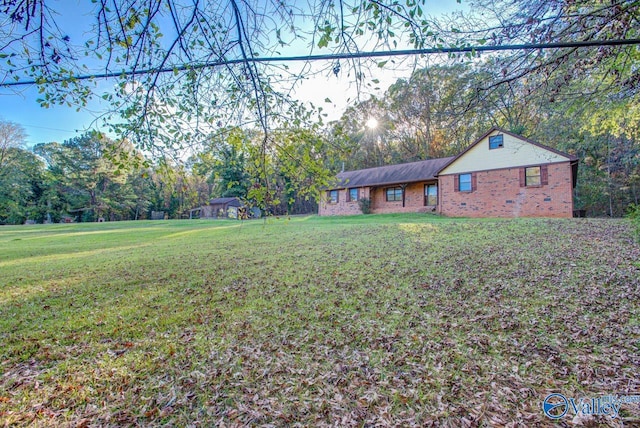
pixel 428 169
pixel 503 131
pixel 225 201
pixel 392 174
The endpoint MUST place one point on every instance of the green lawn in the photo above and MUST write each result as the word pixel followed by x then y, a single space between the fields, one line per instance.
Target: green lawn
pixel 347 321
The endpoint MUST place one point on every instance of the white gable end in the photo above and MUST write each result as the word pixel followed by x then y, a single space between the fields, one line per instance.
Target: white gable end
pixel 515 152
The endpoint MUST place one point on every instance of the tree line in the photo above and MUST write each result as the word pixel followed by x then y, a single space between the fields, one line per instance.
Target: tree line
pixel 435 112
pixel 93 177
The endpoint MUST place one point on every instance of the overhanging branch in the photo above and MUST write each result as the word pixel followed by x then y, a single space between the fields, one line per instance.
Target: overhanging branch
pixel 333 57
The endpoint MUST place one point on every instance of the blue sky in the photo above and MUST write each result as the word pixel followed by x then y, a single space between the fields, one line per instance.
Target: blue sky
pixel 43 125
pixel 59 123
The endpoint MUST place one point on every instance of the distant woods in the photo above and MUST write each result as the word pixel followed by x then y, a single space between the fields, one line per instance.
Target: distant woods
pixel 91 177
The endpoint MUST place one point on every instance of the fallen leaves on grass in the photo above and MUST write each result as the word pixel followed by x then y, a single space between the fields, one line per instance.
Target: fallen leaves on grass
pixel 454 323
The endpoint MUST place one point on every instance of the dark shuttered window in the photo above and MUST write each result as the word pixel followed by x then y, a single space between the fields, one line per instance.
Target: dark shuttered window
pixel 466 182
pixel 534 176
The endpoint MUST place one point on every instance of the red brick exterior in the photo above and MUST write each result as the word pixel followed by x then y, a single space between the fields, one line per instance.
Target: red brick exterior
pixel 343 207
pixel 413 201
pixel 499 193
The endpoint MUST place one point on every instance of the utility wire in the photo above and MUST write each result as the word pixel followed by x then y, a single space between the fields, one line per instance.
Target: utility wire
pixel 332 57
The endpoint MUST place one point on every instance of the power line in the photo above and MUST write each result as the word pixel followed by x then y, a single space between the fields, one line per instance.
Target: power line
pixel 333 57
pixel 49 129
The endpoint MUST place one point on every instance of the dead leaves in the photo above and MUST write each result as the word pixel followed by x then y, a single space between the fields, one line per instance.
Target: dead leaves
pixel 450 323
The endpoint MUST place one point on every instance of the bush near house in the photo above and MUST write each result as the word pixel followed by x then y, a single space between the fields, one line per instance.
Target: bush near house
pixel 365 205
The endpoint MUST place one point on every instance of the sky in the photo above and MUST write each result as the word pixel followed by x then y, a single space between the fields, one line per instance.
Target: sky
pixel 60 123
pixel 44 125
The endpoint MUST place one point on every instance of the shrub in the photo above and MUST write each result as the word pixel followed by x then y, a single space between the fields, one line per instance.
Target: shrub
pixel 633 213
pixel 365 205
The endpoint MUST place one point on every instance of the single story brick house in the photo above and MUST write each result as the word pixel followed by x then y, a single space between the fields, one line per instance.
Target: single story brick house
pixel 501 174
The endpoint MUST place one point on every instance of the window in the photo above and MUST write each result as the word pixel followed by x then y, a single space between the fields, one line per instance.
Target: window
pixel 353 195
pixel 496 142
pixel 464 182
pixel 333 196
pixel 532 176
pixel 394 194
pixel 431 194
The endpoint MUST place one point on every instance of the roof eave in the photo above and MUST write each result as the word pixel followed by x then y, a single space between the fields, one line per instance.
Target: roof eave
pixel 389 183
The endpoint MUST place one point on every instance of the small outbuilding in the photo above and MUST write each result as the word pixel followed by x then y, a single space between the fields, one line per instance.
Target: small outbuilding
pixel 219 208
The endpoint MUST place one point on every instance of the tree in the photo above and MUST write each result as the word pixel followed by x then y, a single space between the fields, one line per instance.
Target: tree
pixel 223 164
pixel 140 183
pixel 91 172
pixel 174 188
pixel 505 22
pixel 363 136
pixel 22 187
pixel 303 159
pixel 616 157
pixel 187 68
pixel 12 135
pixel 431 114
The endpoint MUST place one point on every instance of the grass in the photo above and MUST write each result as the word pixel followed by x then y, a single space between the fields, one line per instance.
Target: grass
pixel 352 321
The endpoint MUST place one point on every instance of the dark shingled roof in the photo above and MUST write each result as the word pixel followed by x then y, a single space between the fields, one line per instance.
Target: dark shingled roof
pixel 235 202
pixel 392 174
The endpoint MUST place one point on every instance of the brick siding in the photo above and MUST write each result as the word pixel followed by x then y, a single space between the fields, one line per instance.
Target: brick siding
pixel 413 200
pixel 343 207
pixel 498 194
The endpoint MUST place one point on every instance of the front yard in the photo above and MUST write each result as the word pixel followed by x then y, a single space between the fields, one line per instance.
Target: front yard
pixel 392 320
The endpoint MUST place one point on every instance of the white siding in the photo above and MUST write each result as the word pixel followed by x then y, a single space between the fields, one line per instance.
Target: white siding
pixel 514 153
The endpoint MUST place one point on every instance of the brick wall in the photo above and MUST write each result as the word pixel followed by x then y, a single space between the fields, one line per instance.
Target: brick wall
pixel 343 207
pixel 413 202
pixel 498 194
